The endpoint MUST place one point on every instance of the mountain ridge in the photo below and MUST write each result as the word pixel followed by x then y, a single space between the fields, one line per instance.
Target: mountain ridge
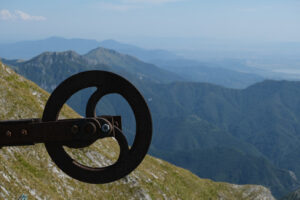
pixel 187 69
pixel 133 65
pixel 100 58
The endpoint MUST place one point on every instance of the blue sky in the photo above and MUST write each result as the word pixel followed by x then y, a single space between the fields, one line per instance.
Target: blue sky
pixel 129 20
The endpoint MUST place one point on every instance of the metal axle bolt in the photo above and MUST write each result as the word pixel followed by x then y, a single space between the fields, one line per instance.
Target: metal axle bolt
pixel 105 128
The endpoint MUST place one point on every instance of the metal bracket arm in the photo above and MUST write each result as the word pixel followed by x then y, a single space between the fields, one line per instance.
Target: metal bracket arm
pixel 31 131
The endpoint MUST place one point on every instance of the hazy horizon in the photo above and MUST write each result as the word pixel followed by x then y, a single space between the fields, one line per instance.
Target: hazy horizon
pixel 149 23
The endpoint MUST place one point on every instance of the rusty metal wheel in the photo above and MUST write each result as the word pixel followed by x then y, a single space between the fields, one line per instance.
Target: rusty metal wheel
pixel 106 83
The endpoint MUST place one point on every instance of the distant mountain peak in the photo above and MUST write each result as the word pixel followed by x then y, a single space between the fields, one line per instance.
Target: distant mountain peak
pixel 54 38
pixel 69 54
pixel 29 49
pixel 147 55
pixel 68 39
pixel 110 41
pixel 110 57
pixel 48 58
pixel 103 50
pixel 113 44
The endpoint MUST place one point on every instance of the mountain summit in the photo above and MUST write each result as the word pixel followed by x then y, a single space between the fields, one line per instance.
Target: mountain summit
pixel 131 64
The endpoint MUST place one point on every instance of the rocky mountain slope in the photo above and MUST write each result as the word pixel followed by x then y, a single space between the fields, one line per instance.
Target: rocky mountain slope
pixel 29 170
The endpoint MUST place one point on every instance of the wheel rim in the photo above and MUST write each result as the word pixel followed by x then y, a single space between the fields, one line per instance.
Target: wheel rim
pixel 107 83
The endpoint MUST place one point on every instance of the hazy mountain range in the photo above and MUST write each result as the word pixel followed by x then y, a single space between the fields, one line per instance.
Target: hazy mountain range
pixel 240 76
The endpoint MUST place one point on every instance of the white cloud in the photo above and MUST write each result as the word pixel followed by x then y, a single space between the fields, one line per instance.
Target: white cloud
pixel 6 15
pixel 19 15
pixel 25 16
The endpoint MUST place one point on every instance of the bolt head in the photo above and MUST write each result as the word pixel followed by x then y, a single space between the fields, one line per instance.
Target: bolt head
pixel 105 128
